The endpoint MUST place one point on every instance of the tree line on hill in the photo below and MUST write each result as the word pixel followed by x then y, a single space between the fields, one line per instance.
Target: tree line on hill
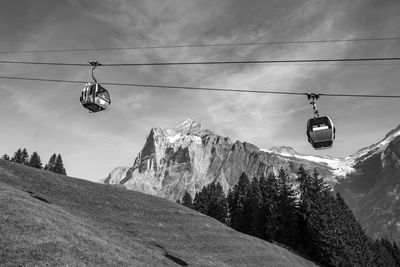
pixel 55 163
pixel 311 219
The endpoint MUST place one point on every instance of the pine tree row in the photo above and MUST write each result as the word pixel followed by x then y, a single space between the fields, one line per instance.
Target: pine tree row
pixel 310 219
pixel 21 156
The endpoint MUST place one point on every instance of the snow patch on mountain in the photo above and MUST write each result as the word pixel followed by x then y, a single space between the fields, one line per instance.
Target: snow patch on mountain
pixel 197 139
pixel 282 150
pixel 339 166
pixel 378 147
pixel 188 157
pixel 189 127
pixel 174 138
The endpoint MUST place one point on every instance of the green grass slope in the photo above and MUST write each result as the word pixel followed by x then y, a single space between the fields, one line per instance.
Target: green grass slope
pixel 52 220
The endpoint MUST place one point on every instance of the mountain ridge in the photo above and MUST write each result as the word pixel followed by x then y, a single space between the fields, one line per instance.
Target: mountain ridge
pixel 186 158
pixel 372 191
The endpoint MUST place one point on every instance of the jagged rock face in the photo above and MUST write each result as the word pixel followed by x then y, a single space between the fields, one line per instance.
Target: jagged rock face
pixel 115 175
pixel 390 157
pixel 283 150
pixel 187 157
pixel 373 189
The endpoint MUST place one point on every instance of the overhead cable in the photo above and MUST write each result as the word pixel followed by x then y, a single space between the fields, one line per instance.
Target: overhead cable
pixel 44 63
pixel 205 62
pixel 253 62
pixel 201 88
pixel 202 45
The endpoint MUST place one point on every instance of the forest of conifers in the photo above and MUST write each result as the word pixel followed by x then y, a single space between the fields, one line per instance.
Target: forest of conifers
pixel 310 219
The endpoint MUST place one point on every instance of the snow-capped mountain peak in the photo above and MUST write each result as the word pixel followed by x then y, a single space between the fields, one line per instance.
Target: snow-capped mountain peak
pixel 190 151
pixel 378 147
pixel 186 131
pixel 189 126
pixel 394 132
pixel 186 158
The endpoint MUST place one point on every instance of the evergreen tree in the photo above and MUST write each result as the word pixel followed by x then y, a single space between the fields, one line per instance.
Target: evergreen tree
pixel 366 244
pixel 287 212
pixel 382 253
pixel 237 219
pixel 200 201
pixel 35 161
pixel 317 222
pixel 25 156
pixel 217 206
pixel 59 166
pixel 304 181
pixel 396 253
pixel 304 209
pixel 230 203
pixel 17 156
pixel 332 235
pixel 390 252
pixel 5 157
pixel 318 184
pixel 187 200
pixel 51 164
pixel 320 229
pixel 260 221
pixel 269 207
pixel 211 200
pixel 319 236
pixel 252 207
pixel 357 245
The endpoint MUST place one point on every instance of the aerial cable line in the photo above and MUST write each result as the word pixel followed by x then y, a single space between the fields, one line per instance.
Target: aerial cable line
pixel 205 62
pixel 201 45
pixel 44 63
pixel 202 88
pixel 251 62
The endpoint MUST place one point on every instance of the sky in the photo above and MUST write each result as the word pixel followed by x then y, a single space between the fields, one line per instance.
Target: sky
pixel 48 117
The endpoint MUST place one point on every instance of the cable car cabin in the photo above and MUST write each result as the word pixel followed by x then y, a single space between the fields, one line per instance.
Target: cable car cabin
pixel 95 98
pixel 321 132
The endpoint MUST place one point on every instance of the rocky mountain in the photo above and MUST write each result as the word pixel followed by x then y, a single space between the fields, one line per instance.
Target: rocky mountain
pixel 115 175
pixel 188 157
pixel 372 190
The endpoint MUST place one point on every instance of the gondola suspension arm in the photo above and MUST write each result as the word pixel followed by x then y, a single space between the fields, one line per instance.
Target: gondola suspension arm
pixel 94 64
pixel 313 101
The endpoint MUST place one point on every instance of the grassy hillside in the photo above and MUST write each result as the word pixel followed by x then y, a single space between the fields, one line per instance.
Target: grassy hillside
pixel 49 219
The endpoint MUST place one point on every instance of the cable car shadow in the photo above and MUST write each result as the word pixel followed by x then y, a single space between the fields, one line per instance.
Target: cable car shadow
pixel 172 257
pixel 32 194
